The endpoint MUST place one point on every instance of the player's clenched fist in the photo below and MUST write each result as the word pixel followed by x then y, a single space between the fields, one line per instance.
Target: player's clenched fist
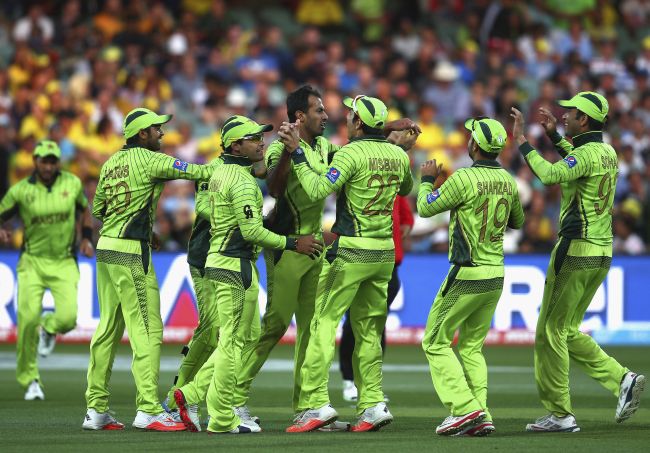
pixel 431 168
pixel 307 245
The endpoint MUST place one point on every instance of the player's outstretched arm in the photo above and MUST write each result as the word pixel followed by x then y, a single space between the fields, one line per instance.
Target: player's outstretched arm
pixel 549 123
pixel 162 167
pixel 572 167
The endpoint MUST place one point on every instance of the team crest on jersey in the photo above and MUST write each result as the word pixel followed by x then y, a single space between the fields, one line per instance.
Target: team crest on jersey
pixel 180 165
pixel 333 174
pixel 433 196
pixel 203 186
pixel 571 161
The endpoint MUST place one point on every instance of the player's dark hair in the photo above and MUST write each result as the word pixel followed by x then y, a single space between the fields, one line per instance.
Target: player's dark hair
pixel 299 100
pixel 371 130
pixel 594 125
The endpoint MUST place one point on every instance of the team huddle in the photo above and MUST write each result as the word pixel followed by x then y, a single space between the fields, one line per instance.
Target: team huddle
pixel 315 276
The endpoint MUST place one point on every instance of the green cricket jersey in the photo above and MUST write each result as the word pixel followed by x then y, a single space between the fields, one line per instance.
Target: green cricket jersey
pixel 587 175
pixel 295 212
pixel 367 173
pixel 236 212
pixel 130 184
pixel 199 243
pixel 48 213
pixel 483 200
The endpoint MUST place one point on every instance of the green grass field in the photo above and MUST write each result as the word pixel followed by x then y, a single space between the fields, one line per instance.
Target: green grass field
pixel 55 424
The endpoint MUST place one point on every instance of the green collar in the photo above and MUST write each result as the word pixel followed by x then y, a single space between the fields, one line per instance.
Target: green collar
pixel 236 160
pixel 486 163
pixel 374 138
pixel 587 137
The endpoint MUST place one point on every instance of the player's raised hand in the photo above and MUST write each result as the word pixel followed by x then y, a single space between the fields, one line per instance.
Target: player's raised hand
pixel 289 134
pixel 405 139
pixel 518 126
pixel 5 236
pixel 548 121
pixel 402 124
pixel 308 245
pixel 431 168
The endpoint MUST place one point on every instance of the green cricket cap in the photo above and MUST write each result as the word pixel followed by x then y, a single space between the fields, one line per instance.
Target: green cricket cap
pixel 141 118
pixel 372 111
pixel 592 104
pixel 489 134
pixel 47 148
pixel 238 127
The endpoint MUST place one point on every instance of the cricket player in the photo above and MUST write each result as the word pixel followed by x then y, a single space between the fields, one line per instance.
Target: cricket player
pixel 292 278
pixel 367 173
pixel 206 334
pixel 237 238
pixel 483 200
pixel 579 262
pixel 129 187
pixel 50 203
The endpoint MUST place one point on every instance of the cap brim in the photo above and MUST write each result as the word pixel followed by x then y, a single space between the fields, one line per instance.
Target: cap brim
pixel 469 122
pixel 348 102
pixel 262 128
pixel 567 104
pixel 162 119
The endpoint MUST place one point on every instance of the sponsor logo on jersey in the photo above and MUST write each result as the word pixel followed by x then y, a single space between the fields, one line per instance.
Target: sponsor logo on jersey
pixel 333 174
pixel 180 165
pixel 433 196
pixel 571 161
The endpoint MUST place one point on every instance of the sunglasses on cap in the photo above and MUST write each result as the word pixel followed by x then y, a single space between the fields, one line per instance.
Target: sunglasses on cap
pixel 254 137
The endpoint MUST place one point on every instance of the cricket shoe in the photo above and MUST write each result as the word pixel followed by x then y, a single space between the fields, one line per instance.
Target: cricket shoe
pixel 173 413
pixel 312 419
pixel 452 425
pixel 34 391
pixel 552 424
pixel 335 427
pixel 248 427
pixel 350 392
pixel 629 398
pixel 245 414
pixel 46 342
pixel 157 422
pixel 189 412
pixel 101 421
pixel 373 418
pixel 482 429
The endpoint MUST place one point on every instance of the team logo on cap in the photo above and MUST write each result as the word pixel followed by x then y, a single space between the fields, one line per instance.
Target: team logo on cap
pixel 433 196
pixel 333 174
pixel 571 161
pixel 500 140
pixel 180 165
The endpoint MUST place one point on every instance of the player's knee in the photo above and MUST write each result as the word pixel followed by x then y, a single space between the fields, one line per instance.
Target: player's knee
pixel 68 323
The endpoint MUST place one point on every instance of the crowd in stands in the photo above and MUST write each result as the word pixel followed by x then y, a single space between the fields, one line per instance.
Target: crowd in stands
pixel 71 69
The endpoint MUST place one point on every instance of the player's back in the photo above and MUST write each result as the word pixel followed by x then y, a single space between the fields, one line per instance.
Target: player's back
pixel 130 184
pixel 489 198
pixel 379 172
pixel 587 202
pixel 229 182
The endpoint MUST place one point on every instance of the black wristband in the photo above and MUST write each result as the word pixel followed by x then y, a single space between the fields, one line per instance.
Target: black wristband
pixel 428 178
pixel 87 233
pixel 526 148
pixel 298 156
pixel 555 137
pixel 291 244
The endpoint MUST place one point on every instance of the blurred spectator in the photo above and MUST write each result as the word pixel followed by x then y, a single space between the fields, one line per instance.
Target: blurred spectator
pixel 70 73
